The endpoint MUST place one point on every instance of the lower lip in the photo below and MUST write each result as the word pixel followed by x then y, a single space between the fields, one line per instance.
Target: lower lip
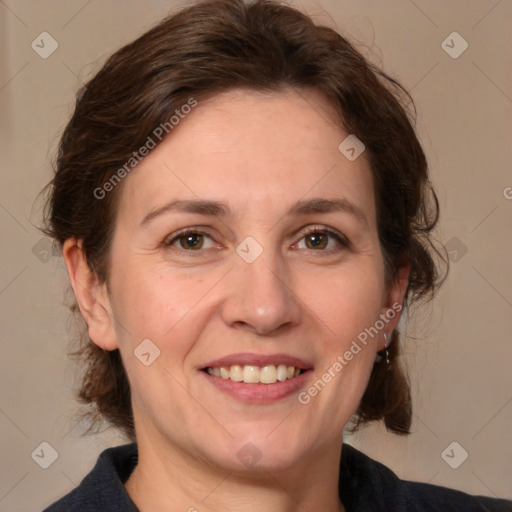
pixel 259 393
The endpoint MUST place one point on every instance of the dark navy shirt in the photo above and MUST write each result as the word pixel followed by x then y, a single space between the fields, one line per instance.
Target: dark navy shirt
pixel 365 485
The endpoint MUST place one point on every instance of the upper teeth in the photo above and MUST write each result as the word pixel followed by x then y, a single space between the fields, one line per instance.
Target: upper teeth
pixel 250 374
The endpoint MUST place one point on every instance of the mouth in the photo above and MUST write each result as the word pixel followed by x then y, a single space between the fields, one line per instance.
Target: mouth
pixel 252 374
pixel 258 378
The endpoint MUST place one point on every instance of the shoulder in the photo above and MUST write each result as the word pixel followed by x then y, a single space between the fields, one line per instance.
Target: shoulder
pixel 434 497
pixel 103 488
pixel 368 485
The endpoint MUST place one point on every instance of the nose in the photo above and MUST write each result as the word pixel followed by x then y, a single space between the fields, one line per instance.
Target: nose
pixel 260 298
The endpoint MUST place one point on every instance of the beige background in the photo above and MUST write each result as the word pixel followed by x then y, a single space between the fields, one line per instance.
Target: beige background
pixel 459 351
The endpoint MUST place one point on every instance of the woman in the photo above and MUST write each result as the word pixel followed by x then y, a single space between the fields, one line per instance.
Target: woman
pixel 244 209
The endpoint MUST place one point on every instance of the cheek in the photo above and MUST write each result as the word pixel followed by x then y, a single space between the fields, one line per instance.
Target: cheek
pixel 343 311
pixel 168 308
pixel 151 302
pixel 349 302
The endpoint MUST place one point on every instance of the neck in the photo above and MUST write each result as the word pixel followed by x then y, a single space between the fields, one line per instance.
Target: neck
pixel 173 481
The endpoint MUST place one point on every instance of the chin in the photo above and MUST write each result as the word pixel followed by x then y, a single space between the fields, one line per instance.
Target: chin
pixel 260 454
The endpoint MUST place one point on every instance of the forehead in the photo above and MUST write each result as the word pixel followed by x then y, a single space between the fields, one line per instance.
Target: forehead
pixel 259 152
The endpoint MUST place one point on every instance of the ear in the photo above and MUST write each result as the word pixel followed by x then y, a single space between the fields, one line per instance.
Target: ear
pixel 394 302
pixel 91 295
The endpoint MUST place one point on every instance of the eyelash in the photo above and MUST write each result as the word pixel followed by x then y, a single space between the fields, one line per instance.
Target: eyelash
pixel 167 243
pixel 341 239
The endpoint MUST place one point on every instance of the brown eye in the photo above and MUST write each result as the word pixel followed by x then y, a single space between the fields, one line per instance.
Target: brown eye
pixel 323 240
pixel 192 241
pixel 317 240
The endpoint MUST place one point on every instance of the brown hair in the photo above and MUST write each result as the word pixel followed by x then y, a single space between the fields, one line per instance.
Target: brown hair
pixel 213 46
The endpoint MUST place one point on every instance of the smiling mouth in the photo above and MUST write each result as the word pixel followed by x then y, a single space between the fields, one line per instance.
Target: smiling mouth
pixel 251 374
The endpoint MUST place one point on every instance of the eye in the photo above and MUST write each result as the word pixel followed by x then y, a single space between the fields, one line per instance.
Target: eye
pixel 322 239
pixel 190 240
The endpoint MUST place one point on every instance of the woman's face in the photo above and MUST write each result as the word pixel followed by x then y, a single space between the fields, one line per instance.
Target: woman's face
pixel 281 266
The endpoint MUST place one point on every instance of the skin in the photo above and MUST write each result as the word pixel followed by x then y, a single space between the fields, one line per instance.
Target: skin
pixel 259 154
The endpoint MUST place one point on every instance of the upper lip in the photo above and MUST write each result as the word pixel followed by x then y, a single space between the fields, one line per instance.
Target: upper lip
pixel 247 358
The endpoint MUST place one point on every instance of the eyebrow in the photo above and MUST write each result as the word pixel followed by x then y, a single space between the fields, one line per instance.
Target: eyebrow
pixel 200 206
pixel 321 205
pixel 218 209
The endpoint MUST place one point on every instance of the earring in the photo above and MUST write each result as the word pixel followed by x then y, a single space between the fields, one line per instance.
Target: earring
pixel 388 362
pixel 379 355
